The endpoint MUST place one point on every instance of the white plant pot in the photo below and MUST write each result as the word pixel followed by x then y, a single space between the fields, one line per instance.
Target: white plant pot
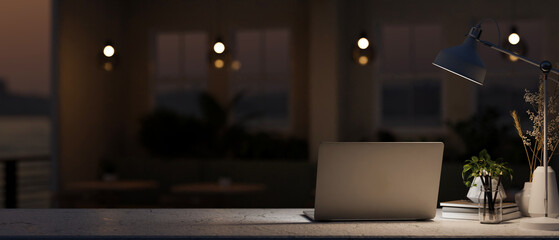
pixel 475 189
pixel 537 194
pixel 522 199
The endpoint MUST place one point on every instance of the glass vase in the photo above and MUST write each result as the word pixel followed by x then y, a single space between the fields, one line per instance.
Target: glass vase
pixel 490 203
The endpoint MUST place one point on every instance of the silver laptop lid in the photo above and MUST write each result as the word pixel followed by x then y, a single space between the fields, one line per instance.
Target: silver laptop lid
pixel 374 180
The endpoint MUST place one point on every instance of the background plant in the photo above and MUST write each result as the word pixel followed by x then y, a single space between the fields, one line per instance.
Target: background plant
pixel 216 134
pixel 485 130
pixel 533 139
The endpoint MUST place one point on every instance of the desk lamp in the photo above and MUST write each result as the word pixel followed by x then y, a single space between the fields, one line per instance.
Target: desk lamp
pixel 464 61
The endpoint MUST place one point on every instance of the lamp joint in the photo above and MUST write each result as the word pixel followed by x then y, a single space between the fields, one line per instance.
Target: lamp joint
pixel 475 32
pixel 545 66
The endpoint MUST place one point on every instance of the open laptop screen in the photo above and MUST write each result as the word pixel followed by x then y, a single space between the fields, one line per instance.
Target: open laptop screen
pixel 377 180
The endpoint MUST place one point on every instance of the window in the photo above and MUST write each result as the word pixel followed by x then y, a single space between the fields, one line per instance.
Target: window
pixel 413 102
pixel 263 77
pixel 410 85
pixel 25 100
pixel 181 71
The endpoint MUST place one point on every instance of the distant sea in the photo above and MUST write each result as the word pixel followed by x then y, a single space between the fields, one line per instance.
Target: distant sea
pixel 24 135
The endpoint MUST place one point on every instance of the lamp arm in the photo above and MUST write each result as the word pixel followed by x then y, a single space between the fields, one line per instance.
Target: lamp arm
pixel 525 59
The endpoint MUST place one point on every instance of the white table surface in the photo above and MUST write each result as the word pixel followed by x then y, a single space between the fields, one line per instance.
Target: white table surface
pixel 232 223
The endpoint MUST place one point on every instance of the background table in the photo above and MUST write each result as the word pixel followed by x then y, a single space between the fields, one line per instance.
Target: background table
pixel 117 185
pixel 215 195
pixel 215 188
pixel 105 194
pixel 233 224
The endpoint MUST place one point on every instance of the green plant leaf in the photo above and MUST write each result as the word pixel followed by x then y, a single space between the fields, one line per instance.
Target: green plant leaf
pixel 467 167
pixel 483 154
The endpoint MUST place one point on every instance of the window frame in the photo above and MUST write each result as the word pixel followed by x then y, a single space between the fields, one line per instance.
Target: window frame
pixel 408 130
pixel 287 122
pixel 182 78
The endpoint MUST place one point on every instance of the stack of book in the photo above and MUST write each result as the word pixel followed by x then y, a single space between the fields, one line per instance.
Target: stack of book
pixel 468 210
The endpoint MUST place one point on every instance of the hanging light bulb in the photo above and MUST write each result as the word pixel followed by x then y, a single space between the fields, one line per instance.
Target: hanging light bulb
pixel 514 38
pixel 219 47
pixel 363 43
pixel 108 50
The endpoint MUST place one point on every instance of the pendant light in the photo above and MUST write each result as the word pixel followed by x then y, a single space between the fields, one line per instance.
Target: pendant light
pixel 218 54
pixel 108 56
pixel 513 38
pixel 515 44
pixel 362 50
pixel 108 50
pixel 219 51
pixel 219 46
pixel 513 41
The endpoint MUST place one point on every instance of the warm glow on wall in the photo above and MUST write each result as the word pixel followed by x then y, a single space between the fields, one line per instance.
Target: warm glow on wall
pixel 363 60
pixel 108 66
pixel 218 63
pixel 236 65
pixel 513 58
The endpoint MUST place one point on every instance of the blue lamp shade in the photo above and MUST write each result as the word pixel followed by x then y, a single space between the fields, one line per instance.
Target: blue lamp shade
pixel 463 61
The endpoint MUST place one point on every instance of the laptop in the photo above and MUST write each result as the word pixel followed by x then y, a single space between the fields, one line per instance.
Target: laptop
pixel 377 181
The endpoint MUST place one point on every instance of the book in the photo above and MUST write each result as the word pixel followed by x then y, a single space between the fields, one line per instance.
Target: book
pixel 475 216
pixel 468 210
pixel 475 210
pixel 470 204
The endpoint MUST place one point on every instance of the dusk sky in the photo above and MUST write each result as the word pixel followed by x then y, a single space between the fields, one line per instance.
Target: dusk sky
pixel 25 46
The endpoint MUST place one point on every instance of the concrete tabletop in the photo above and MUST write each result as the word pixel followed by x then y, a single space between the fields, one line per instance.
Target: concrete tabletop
pixel 232 223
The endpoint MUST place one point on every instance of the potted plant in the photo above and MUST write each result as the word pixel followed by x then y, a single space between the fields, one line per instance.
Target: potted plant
pixel 532 140
pixel 480 166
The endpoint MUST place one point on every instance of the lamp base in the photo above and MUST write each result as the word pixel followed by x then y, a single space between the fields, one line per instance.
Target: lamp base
pixel 540 223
